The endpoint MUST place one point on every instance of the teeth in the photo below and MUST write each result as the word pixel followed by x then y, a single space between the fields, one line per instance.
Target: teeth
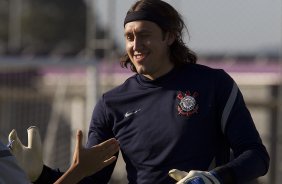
pixel 139 55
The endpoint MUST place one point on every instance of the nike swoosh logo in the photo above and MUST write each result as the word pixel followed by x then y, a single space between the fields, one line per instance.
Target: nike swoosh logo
pixel 127 114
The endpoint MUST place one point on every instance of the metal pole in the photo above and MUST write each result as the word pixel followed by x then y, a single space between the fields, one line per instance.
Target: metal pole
pixel 14 34
pixel 90 46
pixel 112 24
pixel 275 116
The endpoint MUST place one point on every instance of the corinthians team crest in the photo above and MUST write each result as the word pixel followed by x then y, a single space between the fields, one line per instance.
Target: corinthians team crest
pixel 188 104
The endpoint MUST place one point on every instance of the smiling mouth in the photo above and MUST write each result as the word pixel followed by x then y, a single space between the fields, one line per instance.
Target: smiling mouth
pixel 139 57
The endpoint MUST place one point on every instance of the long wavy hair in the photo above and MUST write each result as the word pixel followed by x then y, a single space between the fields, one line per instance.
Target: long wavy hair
pixel 179 52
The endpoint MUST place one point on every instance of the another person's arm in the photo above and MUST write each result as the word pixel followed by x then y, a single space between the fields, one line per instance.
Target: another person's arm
pixel 87 161
pixel 10 171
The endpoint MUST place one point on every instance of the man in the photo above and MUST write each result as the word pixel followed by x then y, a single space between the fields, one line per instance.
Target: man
pixel 174 113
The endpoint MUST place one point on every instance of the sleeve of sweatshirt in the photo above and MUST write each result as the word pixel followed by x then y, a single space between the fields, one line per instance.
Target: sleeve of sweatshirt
pixel 99 131
pixel 251 159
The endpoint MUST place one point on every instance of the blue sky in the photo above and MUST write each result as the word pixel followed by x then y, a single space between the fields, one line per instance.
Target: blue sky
pixel 215 26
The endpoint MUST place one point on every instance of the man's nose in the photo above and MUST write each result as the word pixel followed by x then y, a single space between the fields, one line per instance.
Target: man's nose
pixel 138 44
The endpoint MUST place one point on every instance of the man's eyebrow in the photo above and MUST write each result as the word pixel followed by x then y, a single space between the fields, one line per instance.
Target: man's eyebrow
pixel 141 31
pixel 127 33
pixel 144 31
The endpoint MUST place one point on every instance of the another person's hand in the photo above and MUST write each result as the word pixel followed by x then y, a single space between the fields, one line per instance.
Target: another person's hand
pixel 91 160
pixel 29 158
pixel 87 161
pixel 193 177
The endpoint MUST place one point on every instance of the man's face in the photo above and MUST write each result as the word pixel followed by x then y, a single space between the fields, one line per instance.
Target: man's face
pixel 148 48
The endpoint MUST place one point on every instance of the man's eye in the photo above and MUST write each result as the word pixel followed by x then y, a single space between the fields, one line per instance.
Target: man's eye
pixel 129 38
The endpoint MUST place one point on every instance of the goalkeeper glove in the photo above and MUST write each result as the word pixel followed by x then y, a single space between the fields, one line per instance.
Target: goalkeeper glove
pixel 194 177
pixel 29 158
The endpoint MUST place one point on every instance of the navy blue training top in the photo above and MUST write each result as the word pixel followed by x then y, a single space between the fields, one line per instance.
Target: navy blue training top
pixel 188 119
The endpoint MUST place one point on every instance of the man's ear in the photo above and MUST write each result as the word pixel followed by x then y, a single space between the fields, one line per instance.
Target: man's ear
pixel 170 38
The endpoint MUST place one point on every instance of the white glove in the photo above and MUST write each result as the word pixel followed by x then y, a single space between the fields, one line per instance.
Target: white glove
pixel 193 177
pixel 30 157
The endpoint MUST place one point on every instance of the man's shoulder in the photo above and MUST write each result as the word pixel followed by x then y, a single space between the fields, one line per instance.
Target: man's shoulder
pixel 199 66
pixel 128 83
pixel 200 69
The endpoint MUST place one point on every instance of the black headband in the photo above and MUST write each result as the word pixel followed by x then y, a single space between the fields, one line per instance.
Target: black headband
pixel 144 15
